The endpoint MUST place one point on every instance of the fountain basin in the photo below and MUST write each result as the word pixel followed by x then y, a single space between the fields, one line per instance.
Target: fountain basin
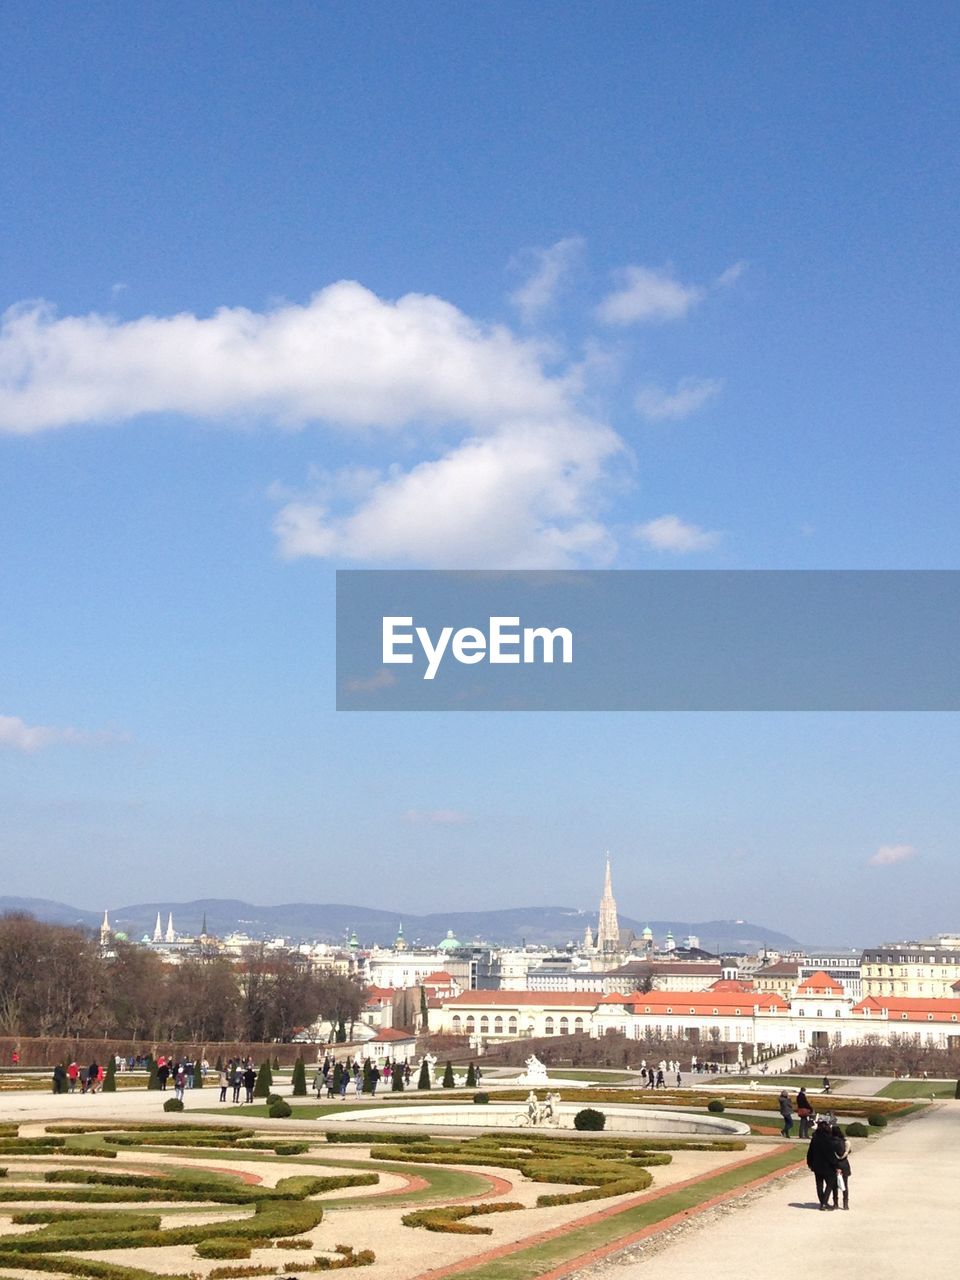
pixel 622 1118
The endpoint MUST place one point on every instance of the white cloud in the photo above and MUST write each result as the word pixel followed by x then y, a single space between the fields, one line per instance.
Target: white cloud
pixel 670 533
pixel 550 267
pixel 437 817
pixel 346 357
pixel 20 736
pixel 691 394
pixel 372 684
pixel 648 293
pixel 888 855
pixel 521 498
pixel 731 275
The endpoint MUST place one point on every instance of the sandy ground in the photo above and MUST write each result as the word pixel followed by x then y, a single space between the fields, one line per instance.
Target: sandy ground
pixel 903 1219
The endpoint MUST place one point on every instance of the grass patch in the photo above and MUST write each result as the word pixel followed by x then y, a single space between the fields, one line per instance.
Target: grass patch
pixel 918 1089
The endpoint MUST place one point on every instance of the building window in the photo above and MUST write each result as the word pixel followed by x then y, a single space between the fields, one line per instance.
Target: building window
pixel 498 1026
pixel 548 1027
pixel 564 1026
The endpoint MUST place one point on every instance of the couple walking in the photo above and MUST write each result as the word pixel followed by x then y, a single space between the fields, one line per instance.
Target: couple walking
pixel 828 1159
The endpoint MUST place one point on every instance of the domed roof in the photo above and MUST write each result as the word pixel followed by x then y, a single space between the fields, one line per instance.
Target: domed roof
pixel 449 943
pixel 121 936
pixel 647 932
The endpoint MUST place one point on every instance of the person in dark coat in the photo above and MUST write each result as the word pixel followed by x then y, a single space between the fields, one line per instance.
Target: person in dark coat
pixel 823 1162
pixel 842 1148
pixel 805 1112
pixel 249 1081
pixel 786 1112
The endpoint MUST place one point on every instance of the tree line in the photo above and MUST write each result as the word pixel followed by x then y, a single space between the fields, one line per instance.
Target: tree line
pixel 54 981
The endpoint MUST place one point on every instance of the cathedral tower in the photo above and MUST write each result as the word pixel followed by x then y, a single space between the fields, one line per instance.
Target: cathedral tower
pixel 608 930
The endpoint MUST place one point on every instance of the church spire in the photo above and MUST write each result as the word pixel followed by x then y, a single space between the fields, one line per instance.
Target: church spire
pixel 158 930
pixel 608 928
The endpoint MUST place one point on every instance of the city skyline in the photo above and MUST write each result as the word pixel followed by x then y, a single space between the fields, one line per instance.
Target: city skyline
pixel 289 291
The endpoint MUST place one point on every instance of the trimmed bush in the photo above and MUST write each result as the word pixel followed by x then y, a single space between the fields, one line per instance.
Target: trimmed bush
pixel 280 1109
pixel 197 1072
pixel 367 1085
pixel 877 1121
pixel 272 1098
pixel 716 1105
pixel 226 1248
pixel 449 1218
pixel 448 1080
pixel 299 1078
pixel 110 1075
pixel 857 1130
pixel 263 1087
pixel 173 1104
pixel 481 1098
pixel 589 1118
pixel 396 1080
pixel 424 1080
pixel 153 1079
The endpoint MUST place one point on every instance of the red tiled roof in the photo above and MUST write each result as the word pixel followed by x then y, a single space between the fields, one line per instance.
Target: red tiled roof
pixel 910 1008
pixel 726 1003
pixel 505 999
pixel 392 1035
pixel 820 983
pixel 731 984
pixel 439 979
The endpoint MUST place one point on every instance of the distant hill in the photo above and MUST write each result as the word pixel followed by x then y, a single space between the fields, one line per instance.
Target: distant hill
pixel 331 922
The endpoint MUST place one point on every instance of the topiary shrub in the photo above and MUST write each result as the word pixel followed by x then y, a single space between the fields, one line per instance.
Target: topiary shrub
pixel 276 1063
pixel 589 1118
pixel 226 1248
pixel 481 1098
pixel 173 1104
pixel 280 1109
pixel 262 1088
pixel 396 1079
pixel 471 1080
pixel 367 1085
pixel 424 1080
pixel 877 1121
pixel 299 1078
pixel 857 1130
pixel 272 1098
pixel 956 1092
pixel 716 1105
pixel 110 1075
pixel 448 1080
pixel 153 1079
pixel 197 1071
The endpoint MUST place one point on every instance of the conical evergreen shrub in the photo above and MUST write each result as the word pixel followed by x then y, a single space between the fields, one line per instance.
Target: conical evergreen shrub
pixel 337 1077
pixel 424 1081
pixel 276 1063
pixel 367 1086
pixel 197 1071
pixel 153 1080
pixel 299 1078
pixel 448 1080
pixel 471 1077
pixel 110 1075
pixel 396 1078
pixel 218 1065
pixel 264 1085
pixel 956 1092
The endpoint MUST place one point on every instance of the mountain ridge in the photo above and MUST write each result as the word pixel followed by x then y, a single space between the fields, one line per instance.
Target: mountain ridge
pixel 332 922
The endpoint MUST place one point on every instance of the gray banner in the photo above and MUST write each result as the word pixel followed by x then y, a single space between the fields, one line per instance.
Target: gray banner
pixel 648 641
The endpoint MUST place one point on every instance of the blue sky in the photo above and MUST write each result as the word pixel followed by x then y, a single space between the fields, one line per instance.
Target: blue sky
pixel 299 287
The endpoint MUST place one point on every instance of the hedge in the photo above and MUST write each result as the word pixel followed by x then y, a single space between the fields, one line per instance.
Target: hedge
pixel 449 1218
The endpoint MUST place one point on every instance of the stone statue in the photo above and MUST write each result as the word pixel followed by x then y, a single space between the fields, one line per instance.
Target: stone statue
pixel 535 1073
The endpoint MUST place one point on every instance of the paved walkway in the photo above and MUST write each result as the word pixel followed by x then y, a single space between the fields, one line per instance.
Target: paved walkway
pixel 903 1218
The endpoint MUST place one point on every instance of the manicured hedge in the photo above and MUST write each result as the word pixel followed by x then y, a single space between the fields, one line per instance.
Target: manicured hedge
pixel 449 1218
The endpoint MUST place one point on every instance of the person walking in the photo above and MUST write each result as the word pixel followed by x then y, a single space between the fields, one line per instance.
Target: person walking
pixel 374 1080
pixel 822 1161
pixel 93 1076
pixel 249 1081
pixel 842 1148
pixel 179 1081
pixel 236 1081
pixel 786 1112
pixel 804 1112
pixel 73 1075
pixel 223 1080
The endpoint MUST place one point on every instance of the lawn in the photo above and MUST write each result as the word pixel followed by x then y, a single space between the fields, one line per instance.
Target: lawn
pixel 918 1089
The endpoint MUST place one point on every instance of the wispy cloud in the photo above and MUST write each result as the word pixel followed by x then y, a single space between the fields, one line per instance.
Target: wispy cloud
pixel 731 275
pixel 657 405
pixel 549 269
pixel 20 736
pixel 889 855
pixel 670 533
pixel 648 294
pixel 437 817
pixel 372 684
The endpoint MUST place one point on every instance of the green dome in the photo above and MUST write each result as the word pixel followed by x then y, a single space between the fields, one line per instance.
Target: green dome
pixel 449 943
